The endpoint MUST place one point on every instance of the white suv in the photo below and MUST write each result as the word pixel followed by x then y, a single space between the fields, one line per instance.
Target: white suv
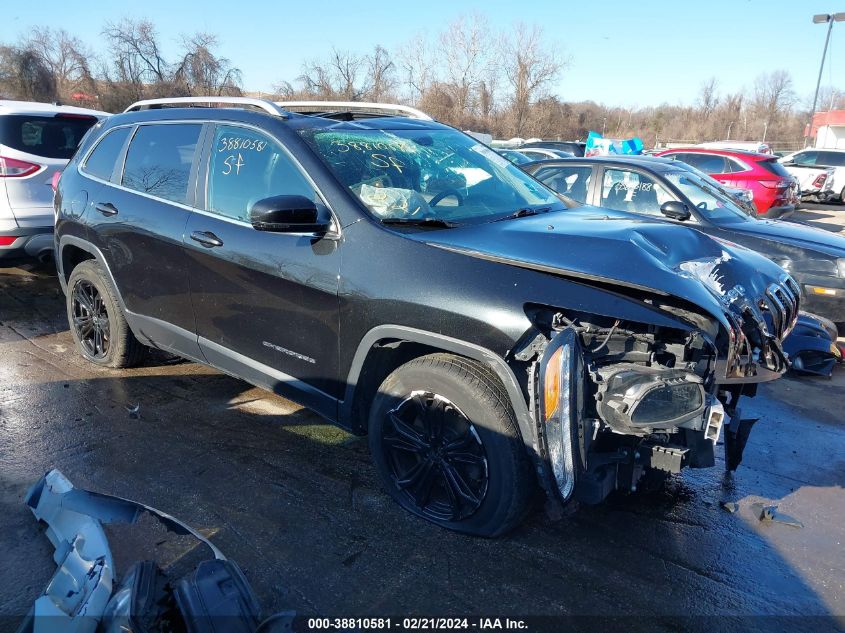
pixel 36 142
pixel 811 163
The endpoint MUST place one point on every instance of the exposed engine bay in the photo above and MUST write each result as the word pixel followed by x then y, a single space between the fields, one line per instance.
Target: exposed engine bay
pixel 615 399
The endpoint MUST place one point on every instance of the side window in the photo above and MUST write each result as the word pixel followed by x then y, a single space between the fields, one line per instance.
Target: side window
pixel 101 161
pixel 532 155
pixel 708 163
pixel 159 160
pixel 734 166
pixel 572 181
pixel 247 166
pixel 624 190
pixel 805 158
pixel 831 159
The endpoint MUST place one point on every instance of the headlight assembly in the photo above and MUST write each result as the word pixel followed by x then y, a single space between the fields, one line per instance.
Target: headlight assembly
pixel 634 400
pixel 840 266
pixel 561 380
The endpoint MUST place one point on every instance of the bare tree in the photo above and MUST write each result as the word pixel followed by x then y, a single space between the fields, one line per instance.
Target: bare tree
pixel 316 80
pixel 65 57
pixel 416 66
pixel 773 96
pixel 381 75
pixel 283 90
pixel 530 66
pixel 24 75
pixel 136 51
pixel 340 76
pixel 466 46
pixel 347 68
pixel 204 73
pixel 708 99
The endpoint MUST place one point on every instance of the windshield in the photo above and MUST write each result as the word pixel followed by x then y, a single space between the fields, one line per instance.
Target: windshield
pixel 415 175
pixel 710 201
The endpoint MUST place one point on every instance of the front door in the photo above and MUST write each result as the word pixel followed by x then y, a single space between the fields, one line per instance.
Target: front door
pixel 266 304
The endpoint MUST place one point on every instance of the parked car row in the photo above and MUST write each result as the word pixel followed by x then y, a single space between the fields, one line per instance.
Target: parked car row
pixel 668 189
pixel 774 191
pixel 766 186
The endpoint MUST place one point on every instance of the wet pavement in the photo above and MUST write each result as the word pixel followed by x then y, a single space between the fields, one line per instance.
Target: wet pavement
pixel 296 502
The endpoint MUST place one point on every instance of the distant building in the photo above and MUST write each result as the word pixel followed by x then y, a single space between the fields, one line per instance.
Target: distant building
pixel 829 129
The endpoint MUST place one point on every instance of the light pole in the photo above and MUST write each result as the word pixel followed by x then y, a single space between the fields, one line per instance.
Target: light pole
pixel 829 19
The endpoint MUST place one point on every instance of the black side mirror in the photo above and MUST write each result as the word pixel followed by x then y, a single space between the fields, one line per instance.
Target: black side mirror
pixel 288 214
pixel 675 210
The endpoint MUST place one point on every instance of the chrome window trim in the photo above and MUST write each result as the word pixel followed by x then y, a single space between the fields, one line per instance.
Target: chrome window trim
pixel 84 162
pixel 334 234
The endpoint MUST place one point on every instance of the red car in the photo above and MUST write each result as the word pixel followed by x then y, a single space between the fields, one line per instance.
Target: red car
pixel 775 191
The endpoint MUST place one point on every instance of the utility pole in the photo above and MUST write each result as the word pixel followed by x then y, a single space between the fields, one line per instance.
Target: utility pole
pixel 829 19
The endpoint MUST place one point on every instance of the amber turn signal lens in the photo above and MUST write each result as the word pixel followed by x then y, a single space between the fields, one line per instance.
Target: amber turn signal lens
pixel 551 388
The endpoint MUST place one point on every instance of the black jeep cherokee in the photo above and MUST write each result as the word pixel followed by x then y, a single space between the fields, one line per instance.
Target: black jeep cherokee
pixel 405 281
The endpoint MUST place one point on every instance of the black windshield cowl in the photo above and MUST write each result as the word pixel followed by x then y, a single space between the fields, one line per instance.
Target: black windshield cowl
pixel 435 223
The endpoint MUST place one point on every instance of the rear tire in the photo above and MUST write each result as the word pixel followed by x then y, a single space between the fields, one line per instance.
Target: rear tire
pixel 96 320
pixel 447 448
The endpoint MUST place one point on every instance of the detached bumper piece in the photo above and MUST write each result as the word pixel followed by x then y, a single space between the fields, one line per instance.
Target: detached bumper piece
pixel 80 598
pixel 812 346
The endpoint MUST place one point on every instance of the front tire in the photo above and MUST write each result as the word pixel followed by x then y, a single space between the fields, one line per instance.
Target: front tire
pixel 96 321
pixel 446 445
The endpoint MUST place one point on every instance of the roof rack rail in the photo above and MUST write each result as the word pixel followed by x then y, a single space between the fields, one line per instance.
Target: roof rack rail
pixel 262 104
pixel 363 107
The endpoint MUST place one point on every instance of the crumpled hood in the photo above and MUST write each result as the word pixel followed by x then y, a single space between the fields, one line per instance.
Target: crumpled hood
pixel 794 234
pixel 589 243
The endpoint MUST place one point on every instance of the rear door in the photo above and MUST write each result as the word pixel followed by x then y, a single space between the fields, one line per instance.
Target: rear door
pixel 266 304
pixel 33 148
pixel 139 221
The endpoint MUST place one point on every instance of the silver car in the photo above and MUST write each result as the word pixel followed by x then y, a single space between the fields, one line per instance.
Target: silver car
pixel 36 142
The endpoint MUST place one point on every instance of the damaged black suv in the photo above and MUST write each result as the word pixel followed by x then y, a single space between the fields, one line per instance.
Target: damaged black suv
pixel 404 281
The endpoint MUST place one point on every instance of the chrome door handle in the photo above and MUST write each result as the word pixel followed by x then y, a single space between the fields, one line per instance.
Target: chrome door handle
pixel 206 238
pixel 106 208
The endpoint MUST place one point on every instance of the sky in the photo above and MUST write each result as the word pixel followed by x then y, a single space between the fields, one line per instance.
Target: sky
pixel 627 53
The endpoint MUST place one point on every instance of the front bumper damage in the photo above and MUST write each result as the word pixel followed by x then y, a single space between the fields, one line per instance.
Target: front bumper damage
pixel 812 346
pixel 84 597
pixel 615 400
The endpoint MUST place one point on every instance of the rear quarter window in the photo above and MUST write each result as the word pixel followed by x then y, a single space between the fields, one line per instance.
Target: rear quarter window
pixel 774 167
pixel 101 161
pixel 48 136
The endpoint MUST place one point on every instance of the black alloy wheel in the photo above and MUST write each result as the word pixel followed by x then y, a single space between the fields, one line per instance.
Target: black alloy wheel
pixel 91 319
pixel 435 457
